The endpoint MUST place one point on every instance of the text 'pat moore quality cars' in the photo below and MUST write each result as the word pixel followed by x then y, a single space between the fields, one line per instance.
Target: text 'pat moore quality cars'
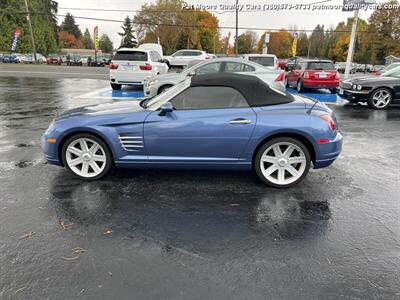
pixel 155 85
pixel 218 121
pixel 379 92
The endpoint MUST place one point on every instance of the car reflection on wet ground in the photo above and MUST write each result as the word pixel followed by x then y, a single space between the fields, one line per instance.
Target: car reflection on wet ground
pixel 194 235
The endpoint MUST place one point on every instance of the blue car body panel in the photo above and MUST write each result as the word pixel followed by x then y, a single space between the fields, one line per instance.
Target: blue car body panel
pixel 203 138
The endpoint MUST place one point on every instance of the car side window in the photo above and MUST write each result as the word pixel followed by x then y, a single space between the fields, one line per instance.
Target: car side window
pixel 179 53
pixel 157 56
pixel 208 69
pixel 234 67
pixel 210 97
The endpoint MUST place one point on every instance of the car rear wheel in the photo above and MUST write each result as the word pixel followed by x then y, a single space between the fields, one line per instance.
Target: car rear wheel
pixel 282 162
pixel 380 98
pixel 115 86
pixel 86 156
pixel 164 88
pixel 300 87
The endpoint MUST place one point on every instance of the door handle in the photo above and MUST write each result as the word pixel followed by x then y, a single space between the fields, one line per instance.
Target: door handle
pixel 239 122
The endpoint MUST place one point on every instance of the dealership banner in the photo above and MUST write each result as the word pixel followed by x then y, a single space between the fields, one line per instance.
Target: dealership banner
pixel 294 46
pixel 96 39
pixel 17 34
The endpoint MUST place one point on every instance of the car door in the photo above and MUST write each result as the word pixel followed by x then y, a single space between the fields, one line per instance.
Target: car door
pixel 210 68
pixel 294 74
pixel 178 58
pixel 209 125
pixel 156 62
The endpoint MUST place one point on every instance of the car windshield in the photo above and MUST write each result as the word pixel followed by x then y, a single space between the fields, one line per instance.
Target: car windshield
pixel 131 55
pixel 320 65
pixel 155 102
pixel 391 67
pixel 395 72
pixel 266 61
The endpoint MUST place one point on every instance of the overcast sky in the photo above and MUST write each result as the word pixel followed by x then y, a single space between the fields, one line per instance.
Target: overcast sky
pixel 302 19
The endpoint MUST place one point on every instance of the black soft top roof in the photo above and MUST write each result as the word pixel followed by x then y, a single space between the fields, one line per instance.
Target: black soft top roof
pixel 253 89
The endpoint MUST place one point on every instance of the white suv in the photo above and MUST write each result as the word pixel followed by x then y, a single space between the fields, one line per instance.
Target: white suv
pixel 266 60
pixel 182 58
pixel 130 66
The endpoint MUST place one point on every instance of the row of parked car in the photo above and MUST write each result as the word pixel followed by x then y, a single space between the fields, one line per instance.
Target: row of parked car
pixel 146 66
pixel 69 59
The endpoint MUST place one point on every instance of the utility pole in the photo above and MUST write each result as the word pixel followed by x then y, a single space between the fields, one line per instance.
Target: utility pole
pixel 351 46
pixel 28 17
pixel 237 25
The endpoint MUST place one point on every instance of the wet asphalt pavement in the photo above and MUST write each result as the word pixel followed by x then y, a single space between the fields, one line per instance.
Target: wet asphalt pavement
pixel 194 235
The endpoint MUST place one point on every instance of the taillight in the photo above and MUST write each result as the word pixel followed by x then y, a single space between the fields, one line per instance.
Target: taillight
pixel 330 121
pixel 146 67
pixel 113 66
pixel 337 75
pixel 306 75
pixel 281 77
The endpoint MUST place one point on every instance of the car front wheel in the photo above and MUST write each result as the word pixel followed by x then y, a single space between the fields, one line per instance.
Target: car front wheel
pixel 86 156
pixel 380 98
pixel 300 87
pixel 282 162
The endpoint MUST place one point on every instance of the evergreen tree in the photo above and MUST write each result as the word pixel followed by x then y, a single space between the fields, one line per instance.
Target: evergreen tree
pixel 44 25
pixel 106 44
pixel 128 38
pixel 86 40
pixel 70 26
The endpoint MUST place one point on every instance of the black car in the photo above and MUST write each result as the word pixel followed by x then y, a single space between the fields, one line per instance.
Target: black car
pixel 379 92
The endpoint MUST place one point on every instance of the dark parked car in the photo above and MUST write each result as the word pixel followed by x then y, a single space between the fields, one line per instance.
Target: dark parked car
pixel 378 92
pixel 74 60
pixel 97 62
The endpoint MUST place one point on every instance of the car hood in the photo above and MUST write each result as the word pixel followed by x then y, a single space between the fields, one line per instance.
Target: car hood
pixel 114 107
pixel 368 80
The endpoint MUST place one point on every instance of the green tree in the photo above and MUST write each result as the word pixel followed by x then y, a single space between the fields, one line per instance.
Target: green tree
pixel 385 32
pixel 86 40
pixel 128 38
pixel 247 42
pixel 302 44
pixel 106 44
pixel 177 26
pixel 70 26
pixel 43 22
pixel 317 41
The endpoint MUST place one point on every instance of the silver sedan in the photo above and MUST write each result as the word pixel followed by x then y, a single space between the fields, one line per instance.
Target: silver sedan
pixel 159 83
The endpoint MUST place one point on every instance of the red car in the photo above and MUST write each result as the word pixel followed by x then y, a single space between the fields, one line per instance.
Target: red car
pixel 53 60
pixel 313 74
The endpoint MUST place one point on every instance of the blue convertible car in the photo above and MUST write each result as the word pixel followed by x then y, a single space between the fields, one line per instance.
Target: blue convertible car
pixel 221 121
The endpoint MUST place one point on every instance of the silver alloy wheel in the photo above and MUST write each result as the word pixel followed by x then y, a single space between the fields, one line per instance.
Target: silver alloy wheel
pixel 283 163
pixel 381 98
pixel 85 157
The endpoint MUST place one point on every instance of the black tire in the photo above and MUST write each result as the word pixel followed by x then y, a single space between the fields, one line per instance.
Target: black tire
pixel 371 103
pixel 108 163
pixel 333 91
pixel 266 145
pixel 300 86
pixel 164 88
pixel 116 87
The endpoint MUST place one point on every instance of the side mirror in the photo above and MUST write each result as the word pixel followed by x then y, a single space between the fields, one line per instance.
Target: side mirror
pixel 166 108
pixel 191 73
